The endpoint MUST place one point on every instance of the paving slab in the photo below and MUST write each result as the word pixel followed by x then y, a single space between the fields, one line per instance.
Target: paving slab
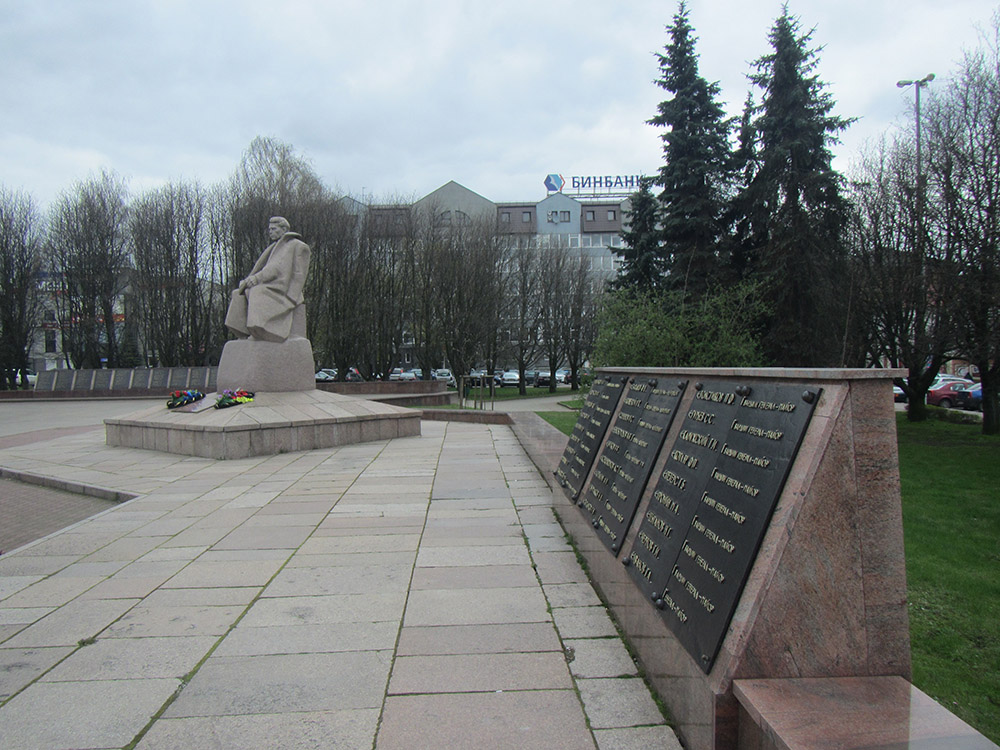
pixel 407 593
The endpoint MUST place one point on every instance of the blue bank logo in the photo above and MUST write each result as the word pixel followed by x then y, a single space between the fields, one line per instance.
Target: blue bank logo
pixel 554 183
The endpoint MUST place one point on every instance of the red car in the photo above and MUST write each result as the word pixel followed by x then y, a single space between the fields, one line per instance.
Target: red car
pixel 943 395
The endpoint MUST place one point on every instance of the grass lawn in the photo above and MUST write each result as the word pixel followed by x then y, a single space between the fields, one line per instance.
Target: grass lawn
pixel 950 484
pixel 509 393
pixel 561 420
pixel 950 480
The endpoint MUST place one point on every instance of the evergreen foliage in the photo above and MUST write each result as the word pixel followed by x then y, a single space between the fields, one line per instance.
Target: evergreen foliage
pixel 793 213
pixel 695 173
pixel 639 328
pixel 642 259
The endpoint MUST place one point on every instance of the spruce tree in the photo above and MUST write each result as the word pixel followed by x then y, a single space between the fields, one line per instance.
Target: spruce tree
pixel 695 172
pixel 798 212
pixel 642 260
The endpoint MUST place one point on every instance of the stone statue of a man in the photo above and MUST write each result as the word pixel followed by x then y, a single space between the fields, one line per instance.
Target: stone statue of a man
pixel 267 306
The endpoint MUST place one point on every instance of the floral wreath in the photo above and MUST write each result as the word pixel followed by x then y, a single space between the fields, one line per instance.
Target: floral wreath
pixel 233 398
pixel 183 398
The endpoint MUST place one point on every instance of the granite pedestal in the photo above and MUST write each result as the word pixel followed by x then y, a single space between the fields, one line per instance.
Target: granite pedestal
pixel 272 423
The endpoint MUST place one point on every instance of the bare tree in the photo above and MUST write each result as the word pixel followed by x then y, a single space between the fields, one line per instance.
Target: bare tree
pixel 174 289
pixel 906 286
pixel 271 180
pixel 524 308
pixel 20 295
pixel 554 289
pixel 964 127
pixel 88 237
pixel 579 332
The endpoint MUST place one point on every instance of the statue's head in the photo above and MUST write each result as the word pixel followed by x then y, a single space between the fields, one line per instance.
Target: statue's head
pixel 277 226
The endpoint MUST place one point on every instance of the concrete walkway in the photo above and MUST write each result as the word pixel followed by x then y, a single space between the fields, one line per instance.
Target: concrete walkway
pixel 414 593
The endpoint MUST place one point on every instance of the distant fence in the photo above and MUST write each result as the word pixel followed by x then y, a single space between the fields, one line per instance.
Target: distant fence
pixel 125 381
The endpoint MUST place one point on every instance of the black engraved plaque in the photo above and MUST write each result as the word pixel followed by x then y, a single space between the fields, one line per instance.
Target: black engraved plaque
pixel 626 460
pixel 102 379
pixel 84 380
pixel 64 380
pixel 588 433
pixel 46 380
pixel 725 488
pixel 178 379
pixel 159 377
pixel 122 379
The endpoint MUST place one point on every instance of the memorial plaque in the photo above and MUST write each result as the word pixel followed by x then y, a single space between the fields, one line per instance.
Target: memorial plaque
pixel 178 379
pixel 626 460
pixel 198 378
pixel 140 378
pixel 84 380
pixel 724 493
pixel 122 379
pixel 64 380
pixel 588 433
pixel 46 380
pixel 102 379
pixel 679 487
pixel 159 377
pixel 213 373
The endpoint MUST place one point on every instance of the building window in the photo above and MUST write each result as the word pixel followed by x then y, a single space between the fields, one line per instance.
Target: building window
pixel 590 215
pixel 564 216
pixel 526 217
pixel 611 214
pixel 505 217
pixel 50 342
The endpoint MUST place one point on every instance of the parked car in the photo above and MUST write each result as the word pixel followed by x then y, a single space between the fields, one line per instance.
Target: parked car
pixel 511 377
pixel 326 375
pixel 562 375
pixel 530 376
pixel 898 395
pixel 970 398
pixel 418 374
pixel 941 378
pixel 445 375
pixel 395 373
pixel 543 379
pixel 943 395
pixel 407 375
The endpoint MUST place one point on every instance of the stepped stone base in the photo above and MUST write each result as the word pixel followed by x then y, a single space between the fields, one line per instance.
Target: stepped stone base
pixel 272 423
pixel 267 366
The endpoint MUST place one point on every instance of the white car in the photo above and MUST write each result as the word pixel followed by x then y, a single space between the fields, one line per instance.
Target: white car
pixel 511 377
pixel 406 375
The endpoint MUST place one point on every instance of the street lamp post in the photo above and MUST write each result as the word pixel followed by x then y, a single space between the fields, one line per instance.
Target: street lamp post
pixel 917 85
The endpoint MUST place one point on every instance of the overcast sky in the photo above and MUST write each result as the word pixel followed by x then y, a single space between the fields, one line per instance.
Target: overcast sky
pixel 393 98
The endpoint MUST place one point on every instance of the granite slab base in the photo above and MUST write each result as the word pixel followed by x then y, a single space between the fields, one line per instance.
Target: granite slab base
pixel 272 423
pixel 267 366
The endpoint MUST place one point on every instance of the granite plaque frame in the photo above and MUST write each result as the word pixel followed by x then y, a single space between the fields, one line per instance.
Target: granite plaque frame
pixel 588 433
pixel 102 379
pixel 64 380
pixel 198 378
pixel 159 377
pixel 712 505
pixel 122 379
pixel 46 380
pixel 178 378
